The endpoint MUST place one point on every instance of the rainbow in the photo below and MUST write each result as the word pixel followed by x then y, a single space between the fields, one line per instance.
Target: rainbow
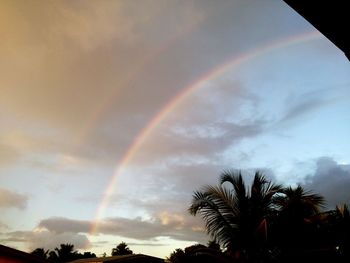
pixel 182 95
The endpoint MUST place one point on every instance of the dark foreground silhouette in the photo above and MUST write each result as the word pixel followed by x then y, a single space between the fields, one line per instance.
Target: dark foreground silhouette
pixel 267 222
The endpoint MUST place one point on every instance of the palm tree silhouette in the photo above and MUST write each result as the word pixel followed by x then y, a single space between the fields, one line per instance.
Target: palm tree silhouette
pixel 121 249
pixel 296 226
pixel 40 252
pixel 298 204
pixel 235 216
pixel 342 230
pixel 66 253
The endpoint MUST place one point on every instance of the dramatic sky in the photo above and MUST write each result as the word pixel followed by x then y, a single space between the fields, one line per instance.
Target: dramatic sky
pixel 113 112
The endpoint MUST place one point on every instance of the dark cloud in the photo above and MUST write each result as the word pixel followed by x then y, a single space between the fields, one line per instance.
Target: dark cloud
pixel 331 180
pixel 10 199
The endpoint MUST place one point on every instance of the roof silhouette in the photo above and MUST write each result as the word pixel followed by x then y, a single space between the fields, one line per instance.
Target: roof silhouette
pixel 8 254
pixel 331 18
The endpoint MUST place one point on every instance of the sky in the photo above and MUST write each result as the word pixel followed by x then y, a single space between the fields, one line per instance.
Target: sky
pixel 112 113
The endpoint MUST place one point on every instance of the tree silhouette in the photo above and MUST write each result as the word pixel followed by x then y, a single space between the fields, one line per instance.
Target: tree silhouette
pixel 121 249
pixel 66 252
pixel 53 256
pixel 298 214
pixel 198 254
pixel 341 231
pixel 237 217
pixel 177 256
pixel 87 255
pixel 40 252
pixel 297 204
pixel 214 245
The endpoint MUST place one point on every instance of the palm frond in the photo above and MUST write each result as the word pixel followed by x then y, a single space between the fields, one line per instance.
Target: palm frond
pixel 215 206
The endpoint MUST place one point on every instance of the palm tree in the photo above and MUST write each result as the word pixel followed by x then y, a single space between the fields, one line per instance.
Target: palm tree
pixel 235 216
pixel 65 253
pixel 121 249
pixel 298 204
pixel 40 252
pixel 298 214
pixel 342 230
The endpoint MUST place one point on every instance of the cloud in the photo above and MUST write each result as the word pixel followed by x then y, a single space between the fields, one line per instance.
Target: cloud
pixel 204 125
pixel 195 142
pixel 331 180
pixel 47 239
pixel 89 63
pixel 10 199
pixel 60 225
pixel 164 224
pixel 167 214
pixel 85 57
pixel 308 102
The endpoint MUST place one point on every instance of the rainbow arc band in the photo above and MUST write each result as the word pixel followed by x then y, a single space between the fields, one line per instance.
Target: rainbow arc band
pixel 171 105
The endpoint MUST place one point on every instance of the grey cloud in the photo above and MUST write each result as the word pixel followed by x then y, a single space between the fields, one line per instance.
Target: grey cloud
pixel 47 239
pixel 192 178
pixel 10 199
pixel 299 106
pixel 175 184
pixel 205 124
pixel 332 180
pixel 164 225
pixel 302 107
pixel 60 225
pixel 197 140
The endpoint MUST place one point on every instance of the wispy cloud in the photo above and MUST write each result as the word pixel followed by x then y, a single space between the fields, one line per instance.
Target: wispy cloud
pixel 308 102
